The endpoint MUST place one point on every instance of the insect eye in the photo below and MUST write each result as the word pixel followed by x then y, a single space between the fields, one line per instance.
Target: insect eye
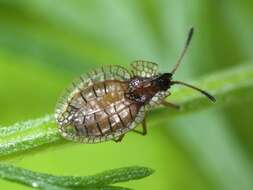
pixel 167 76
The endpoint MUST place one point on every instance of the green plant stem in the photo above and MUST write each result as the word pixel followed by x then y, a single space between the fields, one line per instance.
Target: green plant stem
pixel 47 181
pixel 229 86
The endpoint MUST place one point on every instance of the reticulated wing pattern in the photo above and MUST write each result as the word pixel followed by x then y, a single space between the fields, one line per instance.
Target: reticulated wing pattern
pixel 144 68
pixel 103 125
pixel 110 72
pixel 95 109
pixel 157 99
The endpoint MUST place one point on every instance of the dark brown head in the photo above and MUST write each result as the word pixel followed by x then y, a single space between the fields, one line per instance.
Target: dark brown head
pixel 163 82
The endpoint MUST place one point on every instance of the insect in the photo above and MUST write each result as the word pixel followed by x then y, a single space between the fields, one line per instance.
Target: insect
pixel 110 101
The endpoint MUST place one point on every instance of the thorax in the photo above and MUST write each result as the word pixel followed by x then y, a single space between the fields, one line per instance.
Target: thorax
pixel 141 90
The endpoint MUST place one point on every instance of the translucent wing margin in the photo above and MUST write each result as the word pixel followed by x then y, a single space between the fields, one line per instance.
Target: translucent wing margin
pixel 111 72
pixel 144 68
pixel 157 100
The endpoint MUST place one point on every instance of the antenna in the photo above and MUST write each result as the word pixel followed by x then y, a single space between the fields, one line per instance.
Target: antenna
pixel 190 34
pixel 195 88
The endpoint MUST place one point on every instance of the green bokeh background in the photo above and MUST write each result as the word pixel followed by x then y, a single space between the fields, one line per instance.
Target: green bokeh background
pixel 44 44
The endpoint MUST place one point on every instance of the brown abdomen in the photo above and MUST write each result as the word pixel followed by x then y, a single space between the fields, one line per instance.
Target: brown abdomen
pixel 100 112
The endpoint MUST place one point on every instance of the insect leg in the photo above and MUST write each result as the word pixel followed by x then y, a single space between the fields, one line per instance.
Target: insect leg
pixel 171 105
pixel 144 128
pixel 119 139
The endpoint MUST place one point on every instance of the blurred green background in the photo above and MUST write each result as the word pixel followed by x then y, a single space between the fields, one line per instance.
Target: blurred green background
pixel 44 44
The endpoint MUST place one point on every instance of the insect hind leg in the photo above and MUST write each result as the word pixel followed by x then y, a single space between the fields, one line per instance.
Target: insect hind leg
pixel 144 128
pixel 119 139
pixel 170 105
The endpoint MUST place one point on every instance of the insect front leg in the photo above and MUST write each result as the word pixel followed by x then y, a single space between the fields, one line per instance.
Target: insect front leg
pixel 144 128
pixel 119 139
pixel 171 105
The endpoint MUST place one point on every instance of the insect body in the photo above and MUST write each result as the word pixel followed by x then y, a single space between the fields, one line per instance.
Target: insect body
pixel 108 102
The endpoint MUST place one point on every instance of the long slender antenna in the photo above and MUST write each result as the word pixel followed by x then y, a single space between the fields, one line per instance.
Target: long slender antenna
pixel 195 88
pixel 190 34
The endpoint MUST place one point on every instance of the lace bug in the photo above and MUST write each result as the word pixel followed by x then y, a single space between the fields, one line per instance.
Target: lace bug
pixel 108 102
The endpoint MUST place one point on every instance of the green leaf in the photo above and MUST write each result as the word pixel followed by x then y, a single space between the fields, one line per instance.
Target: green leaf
pixel 98 181
pixel 26 135
pixel 228 87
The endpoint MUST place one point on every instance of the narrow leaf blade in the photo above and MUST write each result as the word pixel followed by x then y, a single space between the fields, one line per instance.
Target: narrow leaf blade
pixel 47 181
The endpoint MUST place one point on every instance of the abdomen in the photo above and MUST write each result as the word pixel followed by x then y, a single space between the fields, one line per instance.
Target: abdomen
pixel 100 112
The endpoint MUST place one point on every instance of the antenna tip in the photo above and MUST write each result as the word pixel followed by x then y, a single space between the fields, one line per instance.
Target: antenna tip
pixel 190 34
pixel 191 29
pixel 212 98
